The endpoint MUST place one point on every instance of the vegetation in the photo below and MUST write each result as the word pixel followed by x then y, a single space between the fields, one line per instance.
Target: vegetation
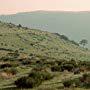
pixel 36 59
pixel 34 79
pixel 83 42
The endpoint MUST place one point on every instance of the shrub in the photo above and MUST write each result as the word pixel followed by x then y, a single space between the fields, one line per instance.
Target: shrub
pixel 41 75
pixel 77 82
pixel 68 67
pixel 13 71
pixel 34 79
pixel 55 68
pixel 73 42
pixel 27 82
pixel 21 82
pixel 26 62
pixel 64 37
pixel 67 83
pixel 5 66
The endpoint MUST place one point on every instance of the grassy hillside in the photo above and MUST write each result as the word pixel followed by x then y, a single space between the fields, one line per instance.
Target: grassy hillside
pixel 24 50
pixel 38 42
pixel 75 25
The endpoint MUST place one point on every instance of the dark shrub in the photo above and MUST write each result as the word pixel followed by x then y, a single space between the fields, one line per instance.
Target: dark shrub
pixel 68 67
pixel 64 37
pixel 21 82
pixel 55 68
pixel 27 82
pixel 73 42
pixel 26 62
pixel 6 65
pixel 34 79
pixel 67 83
pixel 19 26
pixel 31 82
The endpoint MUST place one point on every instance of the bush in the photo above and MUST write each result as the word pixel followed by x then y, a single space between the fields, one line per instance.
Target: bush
pixel 6 65
pixel 26 62
pixel 41 75
pixel 67 83
pixel 83 81
pixel 34 79
pixel 21 82
pixel 64 37
pixel 55 68
pixel 27 82
pixel 13 71
pixel 68 67
pixel 77 82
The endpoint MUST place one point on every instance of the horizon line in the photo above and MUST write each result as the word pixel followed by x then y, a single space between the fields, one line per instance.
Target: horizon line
pixel 46 11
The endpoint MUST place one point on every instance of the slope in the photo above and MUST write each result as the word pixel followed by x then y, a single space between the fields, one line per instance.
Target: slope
pixel 31 41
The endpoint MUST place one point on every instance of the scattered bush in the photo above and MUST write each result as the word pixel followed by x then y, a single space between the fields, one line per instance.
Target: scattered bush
pixel 12 71
pixel 34 79
pixel 55 68
pixel 27 82
pixel 68 67
pixel 41 75
pixel 67 83
pixel 6 65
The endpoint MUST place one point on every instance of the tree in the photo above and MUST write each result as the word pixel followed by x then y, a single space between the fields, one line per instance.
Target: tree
pixel 83 42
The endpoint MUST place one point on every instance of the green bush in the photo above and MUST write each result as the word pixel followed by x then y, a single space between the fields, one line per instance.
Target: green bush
pixel 34 79
pixel 13 71
pixel 41 75
pixel 27 82
pixel 67 83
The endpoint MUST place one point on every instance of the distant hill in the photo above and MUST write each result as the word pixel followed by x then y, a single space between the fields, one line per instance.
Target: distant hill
pixel 76 25
pixel 33 41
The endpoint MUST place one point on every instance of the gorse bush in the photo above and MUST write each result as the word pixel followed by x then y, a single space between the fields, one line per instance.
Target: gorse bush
pixel 55 68
pixel 67 83
pixel 83 81
pixel 27 82
pixel 41 75
pixel 34 79
pixel 65 65
pixel 6 65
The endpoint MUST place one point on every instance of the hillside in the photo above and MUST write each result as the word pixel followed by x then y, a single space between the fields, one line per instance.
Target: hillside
pixel 39 42
pixel 40 60
pixel 75 25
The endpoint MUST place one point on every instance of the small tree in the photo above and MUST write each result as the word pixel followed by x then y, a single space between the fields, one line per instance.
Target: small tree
pixel 83 42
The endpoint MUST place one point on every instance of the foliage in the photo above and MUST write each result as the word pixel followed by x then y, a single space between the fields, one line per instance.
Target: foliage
pixel 34 79
pixel 83 42
pixel 67 83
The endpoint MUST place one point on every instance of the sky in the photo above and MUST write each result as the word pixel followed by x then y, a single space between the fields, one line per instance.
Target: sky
pixel 14 6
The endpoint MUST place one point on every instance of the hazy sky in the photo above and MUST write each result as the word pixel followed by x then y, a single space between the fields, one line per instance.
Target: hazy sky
pixel 13 6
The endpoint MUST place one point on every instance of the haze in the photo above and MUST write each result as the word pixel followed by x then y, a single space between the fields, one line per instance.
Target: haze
pixel 14 6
